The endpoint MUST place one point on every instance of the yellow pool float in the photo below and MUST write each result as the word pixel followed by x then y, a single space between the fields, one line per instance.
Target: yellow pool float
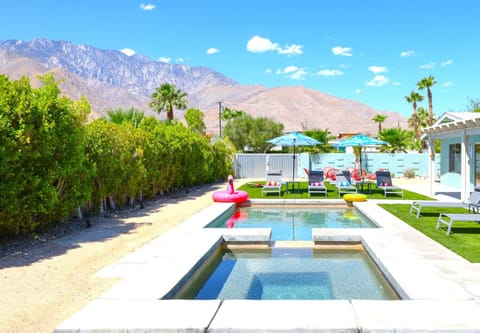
pixel 354 197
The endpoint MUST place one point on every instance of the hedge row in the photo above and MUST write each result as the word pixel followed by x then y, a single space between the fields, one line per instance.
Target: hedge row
pixel 53 164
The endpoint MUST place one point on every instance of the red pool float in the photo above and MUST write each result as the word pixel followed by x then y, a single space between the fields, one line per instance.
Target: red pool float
pixel 230 195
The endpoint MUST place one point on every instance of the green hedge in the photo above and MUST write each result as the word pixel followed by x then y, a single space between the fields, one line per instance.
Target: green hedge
pixel 52 162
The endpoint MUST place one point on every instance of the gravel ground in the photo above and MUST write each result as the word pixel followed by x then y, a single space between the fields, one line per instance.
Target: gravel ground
pixel 46 279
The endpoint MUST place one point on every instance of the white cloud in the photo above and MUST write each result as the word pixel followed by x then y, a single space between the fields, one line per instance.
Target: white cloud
pixel 330 72
pixel 128 52
pixel 446 63
pixel 406 54
pixel 180 60
pixel 165 59
pixel 259 44
pixel 212 50
pixel 447 84
pixel 377 69
pixel 147 7
pixel 428 66
pixel 292 72
pixel 299 75
pixel 343 51
pixel 378 81
pixel 358 91
pixel 293 49
pixel 288 69
pixel 268 71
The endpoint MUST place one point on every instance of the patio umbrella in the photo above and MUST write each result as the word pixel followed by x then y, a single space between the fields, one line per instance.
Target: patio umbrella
pixel 294 139
pixel 360 140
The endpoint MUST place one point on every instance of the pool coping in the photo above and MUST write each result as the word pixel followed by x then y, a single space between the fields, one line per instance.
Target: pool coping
pixel 440 291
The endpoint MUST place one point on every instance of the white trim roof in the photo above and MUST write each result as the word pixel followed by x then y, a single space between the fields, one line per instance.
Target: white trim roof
pixel 453 122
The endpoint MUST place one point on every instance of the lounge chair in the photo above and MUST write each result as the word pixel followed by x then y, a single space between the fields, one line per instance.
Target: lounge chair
pixel 448 219
pixel 472 203
pixel 316 183
pixel 384 182
pixel 343 183
pixel 273 182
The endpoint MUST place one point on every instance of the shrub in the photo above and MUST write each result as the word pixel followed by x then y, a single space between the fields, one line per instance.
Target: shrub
pixel 409 173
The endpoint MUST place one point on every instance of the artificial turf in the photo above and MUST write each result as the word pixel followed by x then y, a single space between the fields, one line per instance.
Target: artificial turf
pixel 464 239
pixel 254 191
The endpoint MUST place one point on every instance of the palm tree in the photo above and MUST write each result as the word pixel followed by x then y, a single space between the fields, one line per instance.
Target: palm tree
pixel 166 97
pixel 398 139
pixel 379 118
pixel 130 115
pixel 413 98
pixel 427 83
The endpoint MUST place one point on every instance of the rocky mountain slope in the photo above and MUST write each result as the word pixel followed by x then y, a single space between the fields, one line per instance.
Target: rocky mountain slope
pixel 111 79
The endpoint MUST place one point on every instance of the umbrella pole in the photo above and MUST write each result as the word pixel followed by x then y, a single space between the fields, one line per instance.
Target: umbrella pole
pixel 293 178
pixel 361 171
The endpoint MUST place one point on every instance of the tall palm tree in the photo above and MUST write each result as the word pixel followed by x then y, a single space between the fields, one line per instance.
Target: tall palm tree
pixel 413 98
pixel 379 118
pixel 166 97
pixel 427 83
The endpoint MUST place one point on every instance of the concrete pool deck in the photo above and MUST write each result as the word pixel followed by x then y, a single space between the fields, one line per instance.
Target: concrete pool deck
pixel 440 291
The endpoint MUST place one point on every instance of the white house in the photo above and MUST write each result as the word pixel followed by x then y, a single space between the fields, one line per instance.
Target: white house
pixel 459 134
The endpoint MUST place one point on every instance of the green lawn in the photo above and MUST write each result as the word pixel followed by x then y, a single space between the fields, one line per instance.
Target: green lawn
pixel 464 239
pixel 256 193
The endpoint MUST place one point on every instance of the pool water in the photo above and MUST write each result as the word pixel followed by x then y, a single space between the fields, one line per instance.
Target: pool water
pixel 293 223
pixel 291 273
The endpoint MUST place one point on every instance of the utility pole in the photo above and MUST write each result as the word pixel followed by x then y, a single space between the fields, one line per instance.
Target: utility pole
pixel 220 118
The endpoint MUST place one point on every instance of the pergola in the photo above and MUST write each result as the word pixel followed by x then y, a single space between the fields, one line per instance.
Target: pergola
pixel 461 125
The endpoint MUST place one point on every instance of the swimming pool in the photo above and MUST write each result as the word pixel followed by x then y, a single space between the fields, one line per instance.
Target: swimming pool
pixel 289 273
pixel 293 222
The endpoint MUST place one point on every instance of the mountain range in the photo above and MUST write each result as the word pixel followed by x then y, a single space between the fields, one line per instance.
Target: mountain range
pixel 110 79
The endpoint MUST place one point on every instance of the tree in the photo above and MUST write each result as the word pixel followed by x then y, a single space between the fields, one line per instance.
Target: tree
pixel 263 129
pixel 246 131
pixel 229 113
pixel 379 118
pixel 166 97
pixel 42 160
pixel 398 139
pixel 473 105
pixel 130 115
pixel 427 83
pixel 422 119
pixel 323 136
pixel 422 122
pixel 413 98
pixel 194 119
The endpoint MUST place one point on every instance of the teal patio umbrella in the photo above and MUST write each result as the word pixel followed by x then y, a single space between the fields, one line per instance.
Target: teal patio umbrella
pixel 361 141
pixel 293 139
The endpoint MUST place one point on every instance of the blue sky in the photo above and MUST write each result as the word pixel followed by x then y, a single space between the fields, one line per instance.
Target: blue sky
pixel 373 51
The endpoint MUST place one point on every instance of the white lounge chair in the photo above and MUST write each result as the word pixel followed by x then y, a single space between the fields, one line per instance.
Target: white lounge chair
pixel 448 219
pixel 472 203
pixel 384 182
pixel 343 183
pixel 273 182
pixel 316 183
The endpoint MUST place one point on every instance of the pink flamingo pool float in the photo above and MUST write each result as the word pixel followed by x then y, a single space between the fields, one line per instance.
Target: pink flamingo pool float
pixel 230 195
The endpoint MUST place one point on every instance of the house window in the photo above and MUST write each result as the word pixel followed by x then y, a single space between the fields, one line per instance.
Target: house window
pixel 477 165
pixel 454 161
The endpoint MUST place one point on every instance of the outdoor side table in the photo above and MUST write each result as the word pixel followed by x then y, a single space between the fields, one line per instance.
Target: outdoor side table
pixel 364 186
pixel 294 184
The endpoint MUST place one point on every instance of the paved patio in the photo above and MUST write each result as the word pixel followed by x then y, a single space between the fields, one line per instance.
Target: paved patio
pixel 440 291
